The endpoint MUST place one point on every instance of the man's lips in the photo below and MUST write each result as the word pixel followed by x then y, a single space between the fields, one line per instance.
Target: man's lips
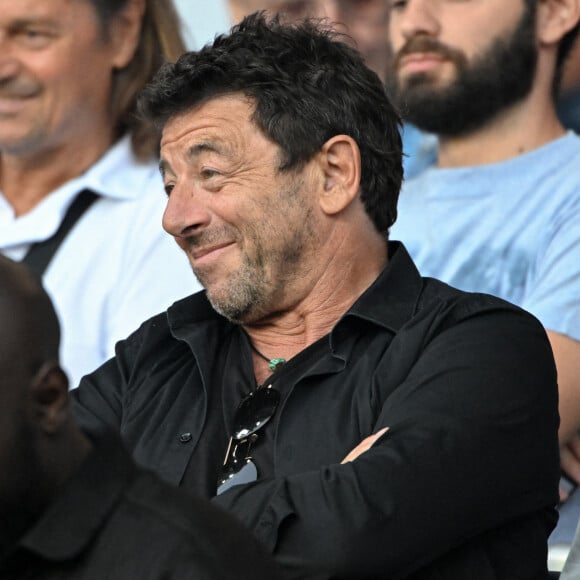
pixel 420 61
pixel 200 253
pixel 11 104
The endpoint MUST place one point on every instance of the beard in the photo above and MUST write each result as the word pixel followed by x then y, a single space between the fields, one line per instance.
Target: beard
pixel 278 242
pixel 495 80
pixel 243 294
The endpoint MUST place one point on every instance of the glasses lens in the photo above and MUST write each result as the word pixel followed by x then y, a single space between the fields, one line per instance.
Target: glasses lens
pixel 237 472
pixel 255 411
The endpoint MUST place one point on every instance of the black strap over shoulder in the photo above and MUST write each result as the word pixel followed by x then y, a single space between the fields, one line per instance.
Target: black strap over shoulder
pixel 40 254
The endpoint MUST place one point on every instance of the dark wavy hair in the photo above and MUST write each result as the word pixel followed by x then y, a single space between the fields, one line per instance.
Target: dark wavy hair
pixel 307 84
pixel 161 40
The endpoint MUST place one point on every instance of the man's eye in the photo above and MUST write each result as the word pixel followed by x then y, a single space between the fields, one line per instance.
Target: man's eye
pixel 168 189
pixel 208 173
pixel 34 37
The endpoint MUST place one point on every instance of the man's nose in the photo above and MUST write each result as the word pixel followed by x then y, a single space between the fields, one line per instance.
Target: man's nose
pixel 185 213
pixel 417 17
pixel 9 64
pixel 329 9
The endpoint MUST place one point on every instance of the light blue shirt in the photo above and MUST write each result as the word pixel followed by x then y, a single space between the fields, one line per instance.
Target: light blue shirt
pixel 511 229
pixel 419 149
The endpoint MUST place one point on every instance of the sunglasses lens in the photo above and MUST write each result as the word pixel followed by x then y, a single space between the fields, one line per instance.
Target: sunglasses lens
pixel 236 473
pixel 252 414
pixel 255 411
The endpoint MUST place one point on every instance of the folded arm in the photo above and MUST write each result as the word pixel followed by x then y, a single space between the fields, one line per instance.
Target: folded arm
pixel 471 444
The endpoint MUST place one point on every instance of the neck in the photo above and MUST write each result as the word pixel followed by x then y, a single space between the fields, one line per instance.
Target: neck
pixel 522 128
pixel 339 280
pixel 25 180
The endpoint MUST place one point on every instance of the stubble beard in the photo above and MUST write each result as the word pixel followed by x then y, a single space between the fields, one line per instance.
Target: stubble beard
pixel 241 294
pixel 499 78
pixel 252 293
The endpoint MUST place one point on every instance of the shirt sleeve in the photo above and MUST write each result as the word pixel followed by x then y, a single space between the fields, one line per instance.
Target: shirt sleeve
pixel 471 446
pixel 101 400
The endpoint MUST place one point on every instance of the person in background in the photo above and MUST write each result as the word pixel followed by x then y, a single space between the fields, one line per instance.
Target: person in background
pixel 500 213
pixel 74 505
pixel 80 195
pixel 365 21
pixel 359 420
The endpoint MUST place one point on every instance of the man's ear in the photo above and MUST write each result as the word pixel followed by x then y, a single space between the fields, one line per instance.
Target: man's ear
pixel 125 32
pixel 555 19
pixel 50 398
pixel 340 163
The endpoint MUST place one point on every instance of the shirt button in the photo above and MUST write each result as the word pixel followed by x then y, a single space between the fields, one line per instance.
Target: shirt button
pixel 185 438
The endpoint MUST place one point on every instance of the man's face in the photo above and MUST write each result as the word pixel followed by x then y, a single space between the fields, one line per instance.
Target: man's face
pixel 248 229
pixel 55 75
pixel 365 21
pixel 457 64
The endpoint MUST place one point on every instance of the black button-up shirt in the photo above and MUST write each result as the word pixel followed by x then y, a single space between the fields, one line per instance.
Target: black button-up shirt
pixel 464 483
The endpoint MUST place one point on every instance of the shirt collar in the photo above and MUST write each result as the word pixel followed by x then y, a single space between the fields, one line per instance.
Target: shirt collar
pixel 392 298
pixel 72 521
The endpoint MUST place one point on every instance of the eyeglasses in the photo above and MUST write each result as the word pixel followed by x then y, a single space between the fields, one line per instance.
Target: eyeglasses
pixel 255 410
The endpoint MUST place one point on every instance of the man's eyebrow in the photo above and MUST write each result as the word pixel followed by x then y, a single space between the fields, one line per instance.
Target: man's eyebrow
pixel 194 151
pixel 204 147
pixel 22 23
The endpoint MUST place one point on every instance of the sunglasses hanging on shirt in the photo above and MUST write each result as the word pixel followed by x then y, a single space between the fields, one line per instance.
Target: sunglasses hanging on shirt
pixel 255 410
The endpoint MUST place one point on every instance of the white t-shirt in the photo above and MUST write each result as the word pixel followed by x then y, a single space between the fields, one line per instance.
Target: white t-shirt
pixel 117 266
pixel 511 229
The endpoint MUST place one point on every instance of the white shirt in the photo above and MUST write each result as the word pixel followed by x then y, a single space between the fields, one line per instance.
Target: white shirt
pixel 117 266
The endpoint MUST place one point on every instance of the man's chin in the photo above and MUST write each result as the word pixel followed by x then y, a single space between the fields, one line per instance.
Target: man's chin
pixel 236 311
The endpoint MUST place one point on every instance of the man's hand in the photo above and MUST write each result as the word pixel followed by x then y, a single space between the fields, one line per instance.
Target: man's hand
pixel 364 445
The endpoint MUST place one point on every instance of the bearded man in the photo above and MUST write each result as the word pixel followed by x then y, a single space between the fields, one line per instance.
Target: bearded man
pixel 500 211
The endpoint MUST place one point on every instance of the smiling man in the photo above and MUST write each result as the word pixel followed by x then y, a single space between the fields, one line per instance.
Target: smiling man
pixel 361 421
pixel 500 213
pixel 247 261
